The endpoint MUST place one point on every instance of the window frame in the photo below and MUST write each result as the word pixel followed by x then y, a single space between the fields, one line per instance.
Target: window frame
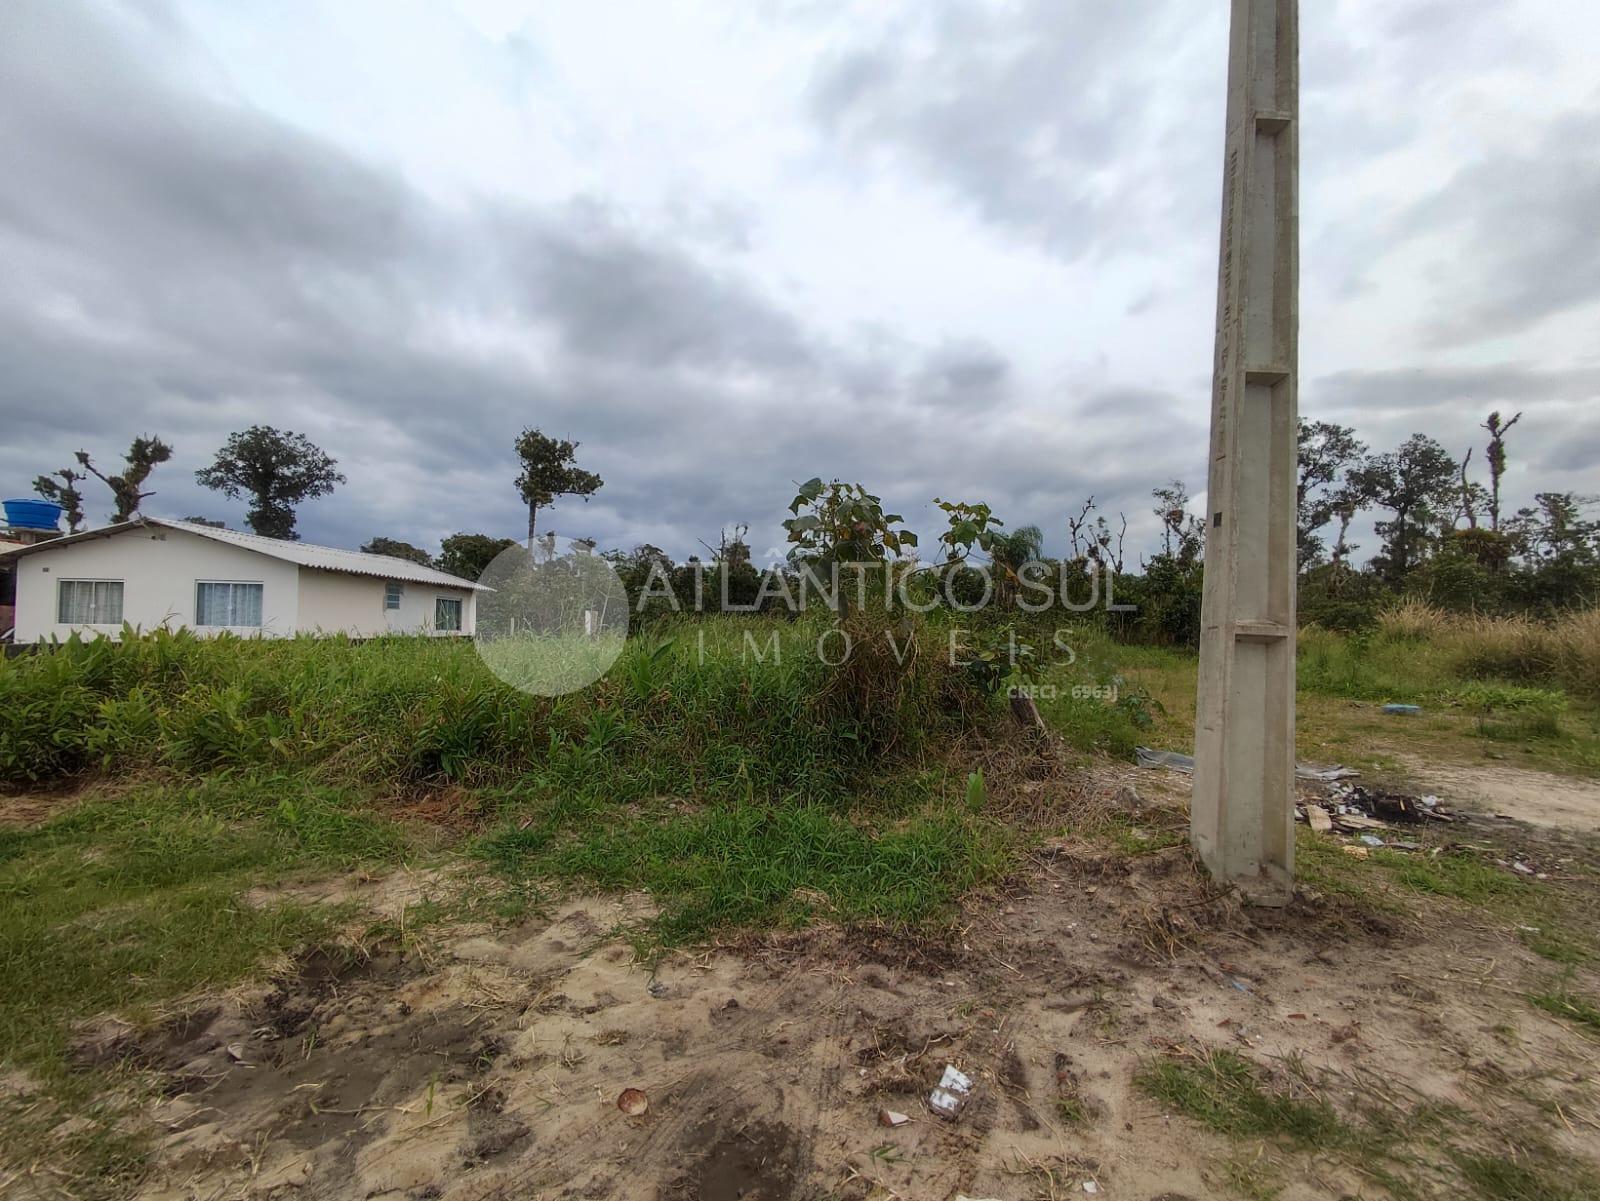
pixel 261 621
pixel 122 595
pixel 397 590
pixel 460 614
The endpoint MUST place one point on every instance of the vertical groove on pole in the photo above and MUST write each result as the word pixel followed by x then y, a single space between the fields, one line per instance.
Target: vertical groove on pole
pixel 1242 819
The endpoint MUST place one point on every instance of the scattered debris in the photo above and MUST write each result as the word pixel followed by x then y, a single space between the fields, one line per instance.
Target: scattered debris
pixel 1090 1187
pixel 1403 710
pixel 1328 774
pixel 955 1087
pixel 891 1119
pixel 236 1053
pixel 1369 813
pixel 633 1102
pixel 1355 852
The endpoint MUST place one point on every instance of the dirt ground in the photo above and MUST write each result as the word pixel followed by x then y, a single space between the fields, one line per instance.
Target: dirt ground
pixel 1539 797
pixel 488 1062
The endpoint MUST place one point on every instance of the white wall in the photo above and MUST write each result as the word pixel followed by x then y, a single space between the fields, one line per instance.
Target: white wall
pixel 339 602
pixel 158 569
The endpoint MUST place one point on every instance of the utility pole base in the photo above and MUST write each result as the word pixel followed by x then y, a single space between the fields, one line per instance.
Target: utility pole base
pixel 1242 814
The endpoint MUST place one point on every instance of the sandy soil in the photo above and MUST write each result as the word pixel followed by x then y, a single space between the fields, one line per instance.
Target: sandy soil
pixel 489 1064
pixel 1542 798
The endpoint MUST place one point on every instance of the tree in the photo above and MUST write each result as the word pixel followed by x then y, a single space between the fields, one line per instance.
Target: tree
pixel 549 470
pixel 1497 462
pixel 1416 483
pixel 469 555
pixel 1012 552
pixel 1345 501
pixel 1472 496
pixel 62 487
pixel 1097 538
pixel 1327 451
pixel 1182 534
pixel 1555 530
pixel 142 458
pixel 396 549
pixel 277 469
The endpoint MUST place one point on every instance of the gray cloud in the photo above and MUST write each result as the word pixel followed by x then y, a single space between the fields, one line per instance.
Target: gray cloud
pixel 176 260
pixel 1528 217
pixel 185 265
pixel 1064 123
pixel 1502 385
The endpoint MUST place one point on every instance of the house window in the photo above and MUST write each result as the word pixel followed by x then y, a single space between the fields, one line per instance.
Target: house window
pixel 89 602
pixel 225 603
pixel 391 594
pixel 447 613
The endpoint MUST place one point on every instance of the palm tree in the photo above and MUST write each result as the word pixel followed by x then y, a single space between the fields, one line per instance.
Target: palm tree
pixel 1010 553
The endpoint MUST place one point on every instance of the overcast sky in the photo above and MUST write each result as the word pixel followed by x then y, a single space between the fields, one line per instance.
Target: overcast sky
pixel 949 249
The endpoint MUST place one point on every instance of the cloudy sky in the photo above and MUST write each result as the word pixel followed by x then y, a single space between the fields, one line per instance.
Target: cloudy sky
pixel 946 247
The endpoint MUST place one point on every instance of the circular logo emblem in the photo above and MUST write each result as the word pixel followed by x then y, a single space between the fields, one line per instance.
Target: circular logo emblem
pixel 553 624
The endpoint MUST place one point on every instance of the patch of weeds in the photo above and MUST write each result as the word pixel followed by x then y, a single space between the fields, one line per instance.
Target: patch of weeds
pixel 1559 999
pixel 750 864
pixel 1071 1110
pixel 129 900
pixel 1131 838
pixel 1532 1171
pixel 1223 1090
pixel 1462 876
pixel 1555 945
pixel 1256 1179
pixel 92 1155
pixel 1408 1146
pixel 1322 865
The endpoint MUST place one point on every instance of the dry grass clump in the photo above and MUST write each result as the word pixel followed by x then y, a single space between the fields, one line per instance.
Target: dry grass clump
pixel 1565 650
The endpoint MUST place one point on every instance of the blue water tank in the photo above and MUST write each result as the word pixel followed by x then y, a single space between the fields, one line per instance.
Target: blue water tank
pixel 30 513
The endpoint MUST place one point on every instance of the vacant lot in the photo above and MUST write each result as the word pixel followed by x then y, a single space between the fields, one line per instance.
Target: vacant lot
pixel 319 920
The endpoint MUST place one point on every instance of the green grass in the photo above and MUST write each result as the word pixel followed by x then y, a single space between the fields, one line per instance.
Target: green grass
pixel 1401 883
pixel 749 864
pixel 1412 1148
pixel 1342 682
pixel 1560 999
pixel 133 898
pixel 1224 1091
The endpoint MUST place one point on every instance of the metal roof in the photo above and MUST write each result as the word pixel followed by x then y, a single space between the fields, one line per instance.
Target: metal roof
pixel 305 554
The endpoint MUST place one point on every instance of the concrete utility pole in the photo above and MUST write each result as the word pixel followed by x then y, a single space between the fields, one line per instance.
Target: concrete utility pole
pixel 1242 820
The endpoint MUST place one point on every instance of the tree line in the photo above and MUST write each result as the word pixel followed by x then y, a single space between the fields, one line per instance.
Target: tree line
pixel 278 470
pixel 1442 529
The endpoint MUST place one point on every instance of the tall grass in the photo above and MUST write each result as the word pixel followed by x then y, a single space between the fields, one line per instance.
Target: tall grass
pixel 1563 651
pixel 712 704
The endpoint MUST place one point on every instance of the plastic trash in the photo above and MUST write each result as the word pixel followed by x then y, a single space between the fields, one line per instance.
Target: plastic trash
pixel 955 1088
pixel 1147 757
pixel 1403 710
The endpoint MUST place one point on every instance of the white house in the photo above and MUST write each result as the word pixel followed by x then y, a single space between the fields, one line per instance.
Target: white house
pixel 152 571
